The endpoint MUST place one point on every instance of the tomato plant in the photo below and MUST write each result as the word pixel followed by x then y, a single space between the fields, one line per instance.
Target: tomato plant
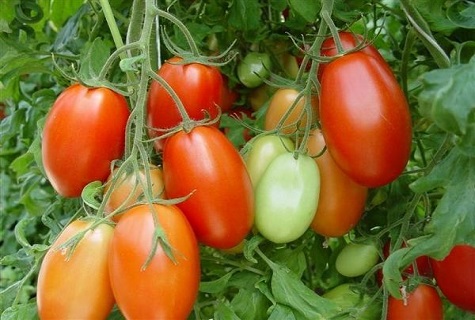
pixel 73 282
pixel 129 188
pixel 289 100
pixel 287 197
pixel 204 165
pixel 421 303
pixel 342 201
pixel 168 287
pixel 189 81
pixel 83 133
pixel 367 128
pixel 455 275
pixel 355 259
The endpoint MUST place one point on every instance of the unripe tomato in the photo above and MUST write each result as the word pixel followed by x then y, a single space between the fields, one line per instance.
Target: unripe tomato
pixel 84 131
pixel 259 96
pixel 163 289
pixel 355 259
pixel 281 102
pixel 78 287
pixel 342 201
pixel 287 197
pixel 422 303
pixel 129 188
pixel 255 67
pixel 263 151
pixel 365 119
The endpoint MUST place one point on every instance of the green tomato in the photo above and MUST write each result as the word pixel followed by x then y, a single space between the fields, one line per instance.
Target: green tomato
pixel 347 298
pixel 287 197
pixel 254 68
pixel 263 150
pixel 355 259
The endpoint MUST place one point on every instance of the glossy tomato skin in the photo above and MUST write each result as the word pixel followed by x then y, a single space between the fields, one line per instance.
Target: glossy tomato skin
pixel 78 288
pixel 128 188
pixel 281 101
pixel 365 119
pixel 423 303
pixel 355 259
pixel 206 165
pixel 263 150
pixel 164 289
pixel 84 131
pixel 199 88
pixel 342 201
pixel 254 68
pixel 455 276
pixel 348 41
pixel 287 197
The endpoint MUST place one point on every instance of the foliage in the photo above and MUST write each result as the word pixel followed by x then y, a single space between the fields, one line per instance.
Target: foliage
pixel 428 44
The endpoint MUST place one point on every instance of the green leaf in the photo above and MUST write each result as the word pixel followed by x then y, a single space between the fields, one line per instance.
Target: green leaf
pixel 281 312
pixel 63 10
pixel 225 312
pixel 93 58
pixel 245 15
pixel 250 304
pixel 90 194
pixel 21 312
pixel 433 12
pixel 306 9
pixel 462 13
pixel 217 285
pixel 447 99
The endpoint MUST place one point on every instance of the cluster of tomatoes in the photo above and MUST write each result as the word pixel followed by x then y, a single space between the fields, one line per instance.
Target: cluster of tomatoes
pixel 296 175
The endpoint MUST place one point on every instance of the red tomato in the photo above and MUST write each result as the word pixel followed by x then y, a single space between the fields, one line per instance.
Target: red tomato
pixel 348 41
pixel 199 88
pixel 282 100
pixel 206 165
pixel 164 289
pixel 455 276
pixel 341 201
pixel 423 303
pixel 128 189
pixel 78 288
pixel 84 131
pixel 365 119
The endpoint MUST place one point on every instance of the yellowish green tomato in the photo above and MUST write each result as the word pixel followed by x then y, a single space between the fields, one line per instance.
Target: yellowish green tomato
pixel 355 259
pixel 254 68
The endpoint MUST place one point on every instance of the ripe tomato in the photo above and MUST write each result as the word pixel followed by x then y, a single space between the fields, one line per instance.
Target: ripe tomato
pixel 129 188
pixel 199 88
pixel 263 151
pixel 254 68
pixel 78 288
pixel 206 165
pixel 287 197
pixel 355 259
pixel 282 100
pixel 348 41
pixel 365 119
pixel 84 131
pixel 455 276
pixel 341 201
pixel 423 303
pixel 164 289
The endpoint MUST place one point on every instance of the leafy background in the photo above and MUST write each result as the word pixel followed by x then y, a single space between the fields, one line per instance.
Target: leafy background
pixel 430 45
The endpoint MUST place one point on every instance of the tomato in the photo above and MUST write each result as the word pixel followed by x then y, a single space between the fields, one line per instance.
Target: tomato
pixel 263 150
pixel 361 305
pixel 254 68
pixel 423 303
pixel 228 96
pixel 163 289
pixel 199 88
pixel 341 201
pixel 83 132
pixel 259 96
pixel 365 119
pixel 455 276
pixel 355 259
pixel 287 197
pixel 78 287
pixel 348 41
pixel 129 188
pixel 282 100
pixel 205 165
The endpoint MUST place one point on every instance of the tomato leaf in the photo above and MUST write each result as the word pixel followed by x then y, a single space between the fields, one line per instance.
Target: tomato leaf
pixel 22 311
pixel 93 59
pixel 306 9
pixel 281 312
pixel 447 99
pixel 217 285
pixel 225 312
pixel 90 193
pixel 250 304
pixel 245 15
